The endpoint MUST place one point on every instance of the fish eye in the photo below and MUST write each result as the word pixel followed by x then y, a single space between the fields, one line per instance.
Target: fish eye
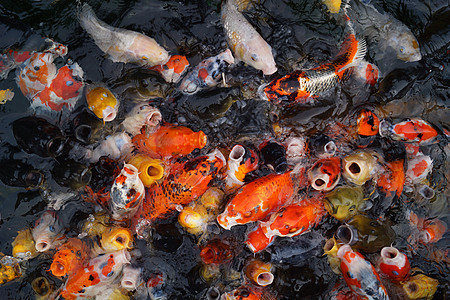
pixel 36 68
pixel 254 57
pixel 69 83
pixel 402 49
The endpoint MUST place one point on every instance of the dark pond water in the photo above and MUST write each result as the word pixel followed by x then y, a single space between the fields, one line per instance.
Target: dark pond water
pixel 303 35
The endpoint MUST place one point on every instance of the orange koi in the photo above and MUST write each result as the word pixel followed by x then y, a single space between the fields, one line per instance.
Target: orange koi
pixel 216 252
pixel 391 181
pixel 181 186
pixel 301 84
pixel 173 69
pixel 289 221
pixel 367 123
pixel 257 199
pixel 69 257
pixel 248 293
pixel 170 140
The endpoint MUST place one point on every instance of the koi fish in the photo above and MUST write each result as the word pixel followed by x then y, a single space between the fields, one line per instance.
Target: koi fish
pixel 367 123
pixel 241 161
pixel 116 238
pixel 23 245
pixel 333 5
pixel 409 131
pixel 392 180
pixel 70 256
pixel 173 69
pixel 9 269
pixel 367 72
pixel 150 170
pixel 216 252
pixel 194 218
pixel 257 199
pixel 127 193
pixel 259 272
pixel 114 146
pixel 247 293
pixel 6 95
pixel 131 277
pixel 184 184
pixel 120 44
pixel 360 166
pixel 301 84
pixel 46 231
pixel 102 102
pixel 142 115
pixel 207 73
pixel 289 221
pixel 388 32
pixel 296 150
pixel 324 175
pixel 245 42
pixel 100 271
pixel 64 90
pixel 360 275
pixel 418 167
pixel 11 59
pixel 394 263
pixel 170 140
pixel 420 286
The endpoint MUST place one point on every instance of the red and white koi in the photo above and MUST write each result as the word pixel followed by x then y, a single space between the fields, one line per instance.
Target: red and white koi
pixel 120 44
pixel 409 131
pixel 241 161
pixel 301 84
pixel 245 42
pixel 207 73
pixel 127 193
pixel 367 72
pixel 49 88
pixel 98 273
pixel 360 276
pixel 418 167
pixel 394 263
pixel 173 69
pixel 324 175
pixel 289 221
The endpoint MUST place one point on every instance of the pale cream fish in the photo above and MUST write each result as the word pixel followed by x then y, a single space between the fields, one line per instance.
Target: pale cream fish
pixel 120 44
pixel 46 231
pixel 245 42
pixel 114 146
pixel 296 150
pixel 131 277
pixel 360 166
pixel 142 115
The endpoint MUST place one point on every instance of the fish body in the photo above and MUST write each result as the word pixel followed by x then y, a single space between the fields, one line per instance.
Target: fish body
pixel 367 72
pixel 120 44
pixel 99 272
pixel 410 131
pixel 420 286
pixel 301 84
pixel 46 231
pixel 258 198
pixel 367 123
pixel 419 167
pixel 113 146
pixel 173 69
pixel 360 276
pixel 6 95
pixel 216 252
pixel 247 292
pixel 289 221
pixel 142 115
pixel 183 185
pixel 392 180
pixel 170 140
pixel 394 263
pixel 102 102
pixel 127 193
pixel 207 73
pixel 245 42
pixel 385 30
pixel 11 59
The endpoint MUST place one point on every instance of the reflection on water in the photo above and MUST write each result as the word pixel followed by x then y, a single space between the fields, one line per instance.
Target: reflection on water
pixel 302 35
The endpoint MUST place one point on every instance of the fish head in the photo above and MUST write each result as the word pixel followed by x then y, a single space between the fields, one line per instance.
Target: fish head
pixel 147 51
pixel 128 189
pixel 394 263
pixel 405 44
pixel 367 123
pixel 258 54
pixel 344 202
pixel 324 175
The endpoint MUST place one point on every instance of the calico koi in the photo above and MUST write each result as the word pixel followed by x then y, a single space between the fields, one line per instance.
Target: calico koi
pixel 173 69
pixel 301 84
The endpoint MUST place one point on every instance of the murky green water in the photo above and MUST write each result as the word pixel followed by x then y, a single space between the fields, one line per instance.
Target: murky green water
pixel 303 35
